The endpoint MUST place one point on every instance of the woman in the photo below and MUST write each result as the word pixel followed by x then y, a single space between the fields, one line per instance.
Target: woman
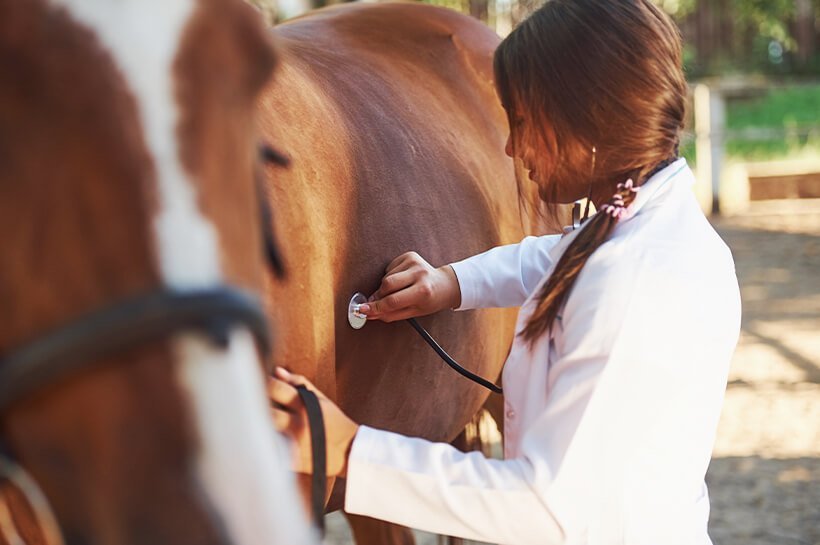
pixel 615 379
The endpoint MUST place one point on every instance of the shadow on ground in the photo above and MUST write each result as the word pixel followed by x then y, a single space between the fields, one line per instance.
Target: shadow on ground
pixel 759 501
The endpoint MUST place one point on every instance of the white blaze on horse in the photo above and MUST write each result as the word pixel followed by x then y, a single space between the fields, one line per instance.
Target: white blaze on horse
pixel 131 387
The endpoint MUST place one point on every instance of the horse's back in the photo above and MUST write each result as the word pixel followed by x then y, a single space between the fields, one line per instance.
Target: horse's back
pixel 397 140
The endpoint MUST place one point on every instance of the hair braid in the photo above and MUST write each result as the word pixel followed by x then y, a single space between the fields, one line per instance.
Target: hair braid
pixel 596 231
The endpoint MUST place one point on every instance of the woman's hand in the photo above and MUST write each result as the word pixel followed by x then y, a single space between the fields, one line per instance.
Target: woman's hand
pixel 412 287
pixel 290 418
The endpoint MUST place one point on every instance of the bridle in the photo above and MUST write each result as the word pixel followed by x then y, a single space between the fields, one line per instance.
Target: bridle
pixel 133 321
pixel 85 342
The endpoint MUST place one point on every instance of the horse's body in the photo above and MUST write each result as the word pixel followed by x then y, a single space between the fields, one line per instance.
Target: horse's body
pixel 397 139
pixel 127 150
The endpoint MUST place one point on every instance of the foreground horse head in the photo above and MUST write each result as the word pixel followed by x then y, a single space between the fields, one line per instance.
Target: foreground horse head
pixel 128 160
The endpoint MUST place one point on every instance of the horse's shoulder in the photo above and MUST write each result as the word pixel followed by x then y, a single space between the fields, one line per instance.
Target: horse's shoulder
pixel 385 24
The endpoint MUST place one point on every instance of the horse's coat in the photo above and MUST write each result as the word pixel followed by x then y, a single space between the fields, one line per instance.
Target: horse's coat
pixel 127 145
pixel 397 139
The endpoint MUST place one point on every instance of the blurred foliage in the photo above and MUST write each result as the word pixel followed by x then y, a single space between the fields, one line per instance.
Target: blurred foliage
pixel 761 32
pixel 793 113
pixel 781 108
pixel 458 5
pixel 721 36
pixel 677 8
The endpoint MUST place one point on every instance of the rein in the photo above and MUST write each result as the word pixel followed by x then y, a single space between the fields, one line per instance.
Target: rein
pixel 318 448
pixel 140 319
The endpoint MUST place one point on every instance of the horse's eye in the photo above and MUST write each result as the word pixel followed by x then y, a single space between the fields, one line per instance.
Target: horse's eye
pixel 273 156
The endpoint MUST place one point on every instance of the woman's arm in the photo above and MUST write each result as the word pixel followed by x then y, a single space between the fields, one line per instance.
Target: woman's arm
pixel 504 276
pixel 500 277
pixel 437 488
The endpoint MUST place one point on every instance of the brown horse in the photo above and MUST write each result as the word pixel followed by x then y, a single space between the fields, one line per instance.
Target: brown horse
pixel 127 158
pixel 397 139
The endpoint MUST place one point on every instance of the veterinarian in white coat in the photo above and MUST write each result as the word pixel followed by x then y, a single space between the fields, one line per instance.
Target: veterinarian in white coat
pixel 615 380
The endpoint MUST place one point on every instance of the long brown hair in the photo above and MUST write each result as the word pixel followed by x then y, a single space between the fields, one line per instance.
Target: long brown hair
pixel 586 75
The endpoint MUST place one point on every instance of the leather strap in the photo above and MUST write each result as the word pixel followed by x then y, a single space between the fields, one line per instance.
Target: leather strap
pixel 148 317
pixel 318 447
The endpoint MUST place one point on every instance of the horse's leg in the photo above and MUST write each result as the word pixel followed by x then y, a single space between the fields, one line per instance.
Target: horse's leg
pixel 368 531
pixel 495 407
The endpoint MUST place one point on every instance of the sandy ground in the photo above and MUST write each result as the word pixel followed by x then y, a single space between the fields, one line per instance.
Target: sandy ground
pixel 764 479
pixel 765 474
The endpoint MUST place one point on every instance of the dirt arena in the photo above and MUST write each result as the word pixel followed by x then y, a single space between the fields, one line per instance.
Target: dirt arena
pixel 765 474
pixel 764 479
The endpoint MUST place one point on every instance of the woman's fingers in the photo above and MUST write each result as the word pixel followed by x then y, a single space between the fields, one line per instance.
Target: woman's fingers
pixel 294 380
pixel 283 394
pixel 399 274
pixel 411 287
pixel 402 262
pixel 290 418
pixel 285 421
pixel 414 300
pixel 386 307
pixel 394 282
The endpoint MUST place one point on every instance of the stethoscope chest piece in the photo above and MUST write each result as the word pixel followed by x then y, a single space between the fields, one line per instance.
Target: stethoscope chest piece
pixel 357 321
pixel 354 318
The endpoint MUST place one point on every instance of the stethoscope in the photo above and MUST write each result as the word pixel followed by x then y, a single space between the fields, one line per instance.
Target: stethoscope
pixel 357 320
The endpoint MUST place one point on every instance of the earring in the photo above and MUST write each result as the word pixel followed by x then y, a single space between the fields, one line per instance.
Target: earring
pixel 591 177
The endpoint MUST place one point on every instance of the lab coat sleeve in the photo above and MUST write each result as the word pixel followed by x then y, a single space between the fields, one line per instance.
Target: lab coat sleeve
pixel 437 488
pixel 506 275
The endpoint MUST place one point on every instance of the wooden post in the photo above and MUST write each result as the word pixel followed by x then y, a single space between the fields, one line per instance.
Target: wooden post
pixel 480 9
pixel 710 129
pixel 805 33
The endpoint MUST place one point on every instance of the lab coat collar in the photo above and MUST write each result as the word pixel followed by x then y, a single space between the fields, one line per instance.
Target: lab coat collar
pixel 649 194
pixel 678 173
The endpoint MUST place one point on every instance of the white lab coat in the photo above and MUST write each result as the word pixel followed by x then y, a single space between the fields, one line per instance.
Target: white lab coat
pixel 610 419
